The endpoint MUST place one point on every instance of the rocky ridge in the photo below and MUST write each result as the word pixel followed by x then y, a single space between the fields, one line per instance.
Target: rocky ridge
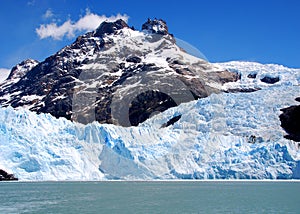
pixel 114 74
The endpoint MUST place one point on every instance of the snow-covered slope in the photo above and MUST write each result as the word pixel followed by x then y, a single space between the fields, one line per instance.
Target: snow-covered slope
pixel 92 77
pixel 227 135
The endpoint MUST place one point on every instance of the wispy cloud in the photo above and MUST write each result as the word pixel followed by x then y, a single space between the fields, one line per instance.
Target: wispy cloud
pixel 48 14
pixel 88 22
pixel 31 3
pixel 4 74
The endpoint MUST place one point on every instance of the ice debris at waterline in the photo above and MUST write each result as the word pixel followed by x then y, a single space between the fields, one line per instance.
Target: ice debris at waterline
pixel 223 136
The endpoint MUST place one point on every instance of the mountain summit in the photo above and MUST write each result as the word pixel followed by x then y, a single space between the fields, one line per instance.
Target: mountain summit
pixel 156 26
pixel 114 74
pixel 110 27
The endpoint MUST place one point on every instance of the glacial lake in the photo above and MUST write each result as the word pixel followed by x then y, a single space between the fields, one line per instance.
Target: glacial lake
pixel 150 197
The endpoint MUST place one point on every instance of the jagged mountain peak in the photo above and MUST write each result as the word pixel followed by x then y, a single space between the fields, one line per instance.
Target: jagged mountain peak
pixel 158 26
pixel 155 26
pixel 19 70
pixel 110 27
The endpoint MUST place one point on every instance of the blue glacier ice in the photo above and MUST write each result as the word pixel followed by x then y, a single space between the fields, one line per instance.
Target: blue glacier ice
pixel 223 136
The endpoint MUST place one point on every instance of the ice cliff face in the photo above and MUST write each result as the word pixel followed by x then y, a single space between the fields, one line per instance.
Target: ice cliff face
pixel 223 136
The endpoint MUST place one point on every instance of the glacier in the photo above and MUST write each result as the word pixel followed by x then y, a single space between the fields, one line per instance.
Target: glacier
pixel 223 136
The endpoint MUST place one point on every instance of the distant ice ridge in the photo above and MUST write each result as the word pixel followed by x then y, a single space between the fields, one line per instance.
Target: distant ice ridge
pixel 286 76
pixel 223 136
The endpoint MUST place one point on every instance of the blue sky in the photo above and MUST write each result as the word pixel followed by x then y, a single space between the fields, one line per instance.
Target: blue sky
pixel 267 31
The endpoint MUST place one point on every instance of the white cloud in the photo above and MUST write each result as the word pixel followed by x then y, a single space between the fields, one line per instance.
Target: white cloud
pixel 4 72
pixel 48 14
pixel 86 23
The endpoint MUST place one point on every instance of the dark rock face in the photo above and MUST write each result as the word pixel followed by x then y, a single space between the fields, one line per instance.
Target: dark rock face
pixel 133 59
pixel 252 75
pixel 158 26
pixel 22 68
pixel 111 77
pixel 225 76
pixel 253 139
pixel 270 80
pixel 110 27
pixel 147 104
pixel 290 122
pixel 172 121
pixel 4 176
pixel 243 90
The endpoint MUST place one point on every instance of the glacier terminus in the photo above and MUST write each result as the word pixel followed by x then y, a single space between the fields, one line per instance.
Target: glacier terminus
pixel 87 113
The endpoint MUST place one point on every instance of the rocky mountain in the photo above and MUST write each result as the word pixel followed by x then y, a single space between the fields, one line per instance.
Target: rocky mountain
pixel 114 74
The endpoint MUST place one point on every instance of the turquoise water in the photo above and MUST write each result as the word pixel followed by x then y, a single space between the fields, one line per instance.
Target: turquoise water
pixel 150 197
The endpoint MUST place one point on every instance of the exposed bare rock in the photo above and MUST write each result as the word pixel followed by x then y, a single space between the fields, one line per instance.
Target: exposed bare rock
pixel 115 75
pixel 290 122
pixel 4 176
pixel 270 80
